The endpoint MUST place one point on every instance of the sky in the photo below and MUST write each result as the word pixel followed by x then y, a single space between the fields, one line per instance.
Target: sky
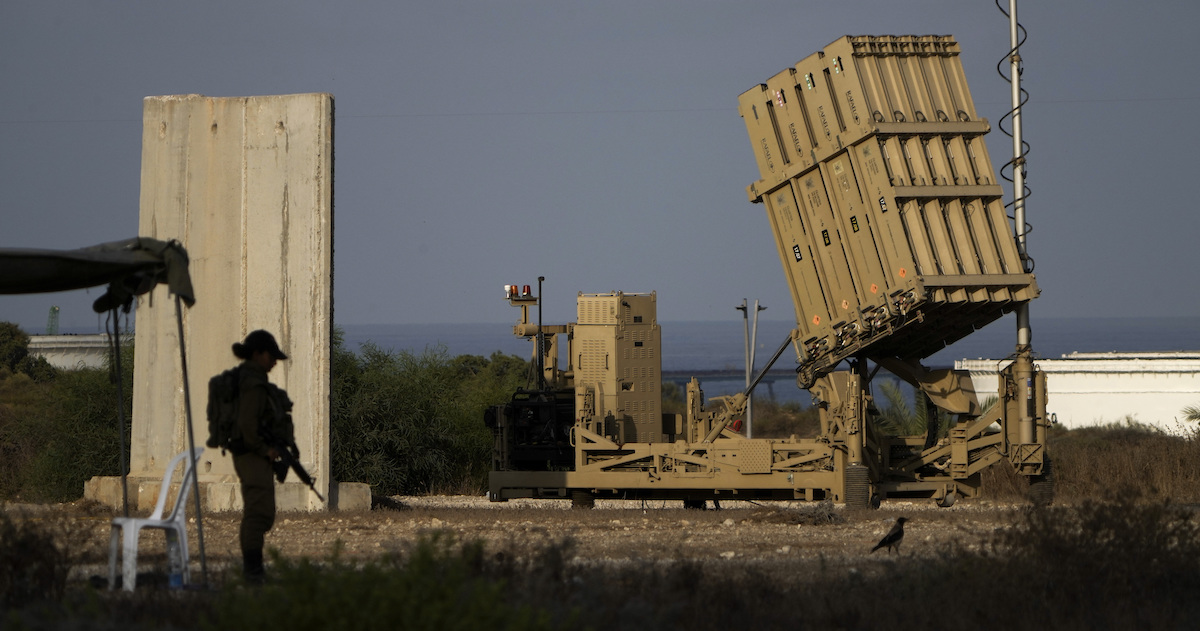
pixel 597 144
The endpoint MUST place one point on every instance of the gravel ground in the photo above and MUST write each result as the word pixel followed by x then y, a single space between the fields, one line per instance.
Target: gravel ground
pixel 615 532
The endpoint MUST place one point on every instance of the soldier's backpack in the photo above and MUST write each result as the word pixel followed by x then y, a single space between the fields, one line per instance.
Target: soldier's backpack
pixel 223 408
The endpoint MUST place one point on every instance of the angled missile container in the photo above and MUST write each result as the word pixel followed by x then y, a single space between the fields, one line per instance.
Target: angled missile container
pixel 894 240
pixel 883 200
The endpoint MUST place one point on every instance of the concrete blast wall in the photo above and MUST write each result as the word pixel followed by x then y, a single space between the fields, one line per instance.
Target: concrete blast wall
pixel 246 184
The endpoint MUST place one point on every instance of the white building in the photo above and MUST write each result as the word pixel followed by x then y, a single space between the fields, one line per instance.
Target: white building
pixel 69 352
pixel 1100 388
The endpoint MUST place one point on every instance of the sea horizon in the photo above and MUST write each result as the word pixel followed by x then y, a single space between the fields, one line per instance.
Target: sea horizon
pixel 716 350
pixel 720 345
pixel 711 345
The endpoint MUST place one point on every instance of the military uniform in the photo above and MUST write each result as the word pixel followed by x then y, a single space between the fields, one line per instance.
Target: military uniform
pixel 263 411
pixel 253 464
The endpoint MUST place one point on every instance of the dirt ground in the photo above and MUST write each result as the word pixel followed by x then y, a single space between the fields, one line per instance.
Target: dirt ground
pixel 613 532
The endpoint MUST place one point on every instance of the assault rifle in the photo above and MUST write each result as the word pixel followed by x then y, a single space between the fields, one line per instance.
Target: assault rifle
pixel 289 458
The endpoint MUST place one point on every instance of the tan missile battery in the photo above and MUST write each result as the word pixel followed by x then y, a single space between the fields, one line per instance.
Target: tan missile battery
pixel 894 242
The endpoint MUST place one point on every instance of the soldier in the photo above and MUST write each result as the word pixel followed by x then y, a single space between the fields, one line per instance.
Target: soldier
pixel 258 413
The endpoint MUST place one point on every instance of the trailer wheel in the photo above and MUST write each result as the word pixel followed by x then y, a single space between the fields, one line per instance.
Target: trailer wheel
pixel 695 504
pixel 582 499
pixel 1041 487
pixel 948 499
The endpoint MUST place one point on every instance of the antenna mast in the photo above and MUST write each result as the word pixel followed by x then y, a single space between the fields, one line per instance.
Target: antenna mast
pixel 1015 38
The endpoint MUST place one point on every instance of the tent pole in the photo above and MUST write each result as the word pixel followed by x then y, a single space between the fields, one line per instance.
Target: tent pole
pixel 115 318
pixel 187 405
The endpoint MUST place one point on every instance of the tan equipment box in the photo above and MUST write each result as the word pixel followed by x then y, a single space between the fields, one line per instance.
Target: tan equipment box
pixel 618 367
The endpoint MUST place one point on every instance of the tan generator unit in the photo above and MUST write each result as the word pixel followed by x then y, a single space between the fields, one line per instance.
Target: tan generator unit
pixel 618 367
pixel 884 203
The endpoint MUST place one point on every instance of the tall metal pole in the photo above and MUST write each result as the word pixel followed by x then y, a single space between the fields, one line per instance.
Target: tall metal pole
pixel 191 440
pixel 751 335
pixel 749 397
pixel 120 380
pixel 750 371
pixel 1024 331
pixel 1023 368
pixel 541 340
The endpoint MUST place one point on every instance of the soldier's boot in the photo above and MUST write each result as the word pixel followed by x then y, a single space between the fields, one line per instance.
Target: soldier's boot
pixel 252 566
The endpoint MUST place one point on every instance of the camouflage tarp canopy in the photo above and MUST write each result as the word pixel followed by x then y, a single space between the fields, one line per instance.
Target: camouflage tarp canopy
pixel 130 268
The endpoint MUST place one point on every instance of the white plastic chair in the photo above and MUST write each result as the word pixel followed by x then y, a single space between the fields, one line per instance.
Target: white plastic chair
pixel 174 525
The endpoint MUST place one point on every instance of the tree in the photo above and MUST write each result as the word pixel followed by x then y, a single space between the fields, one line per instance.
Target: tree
pixel 409 423
pixel 1191 413
pixel 56 434
pixel 15 357
pixel 14 345
pixel 898 418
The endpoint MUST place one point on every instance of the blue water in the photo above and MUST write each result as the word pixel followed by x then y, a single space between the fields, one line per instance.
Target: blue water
pixel 696 347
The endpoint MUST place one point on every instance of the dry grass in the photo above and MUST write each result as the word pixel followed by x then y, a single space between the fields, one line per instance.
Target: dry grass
pixel 1097 463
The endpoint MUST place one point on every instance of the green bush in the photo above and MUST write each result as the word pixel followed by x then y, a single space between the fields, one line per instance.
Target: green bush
pixel 37 368
pixel 15 357
pixel 410 424
pixel 782 420
pixel 674 398
pixel 80 438
pixel 14 345
pixel 57 429
pixel 1095 462
pixel 404 423
pixel 438 585
pixel 1120 563
pixel 1125 542
pixel 33 562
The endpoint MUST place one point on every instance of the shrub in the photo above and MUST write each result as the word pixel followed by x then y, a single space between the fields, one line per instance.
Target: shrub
pixel 54 435
pixel 438 585
pixel 79 438
pixel 390 425
pixel 1087 558
pixel 15 357
pixel 482 383
pixel 409 424
pixel 674 398
pixel 1095 462
pixel 33 562
pixel 14 345
pixel 781 420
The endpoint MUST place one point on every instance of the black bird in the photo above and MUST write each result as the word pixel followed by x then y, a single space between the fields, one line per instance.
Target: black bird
pixel 893 538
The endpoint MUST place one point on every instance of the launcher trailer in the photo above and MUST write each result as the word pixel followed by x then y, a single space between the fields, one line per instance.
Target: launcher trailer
pixel 895 242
